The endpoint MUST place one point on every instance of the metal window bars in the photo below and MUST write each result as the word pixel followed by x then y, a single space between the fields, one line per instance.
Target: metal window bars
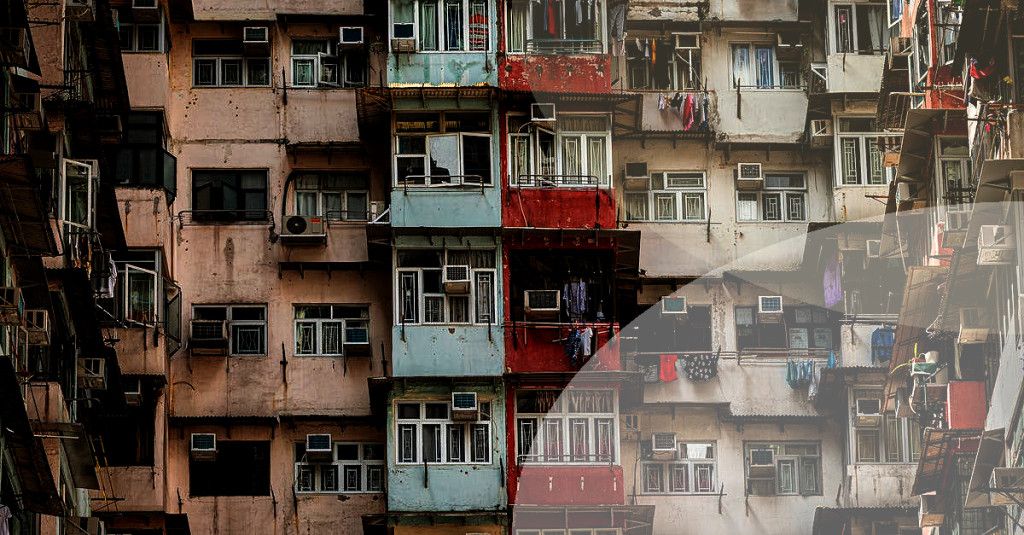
pixel 442 181
pixel 553 181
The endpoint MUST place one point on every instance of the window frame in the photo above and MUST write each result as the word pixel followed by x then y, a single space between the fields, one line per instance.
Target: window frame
pixel 558 136
pixel 322 192
pixel 446 425
pixel 451 179
pixel 679 194
pixel 319 323
pixel 465 35
pixel 133 26
pixel 753 70
pixel 335 55
pixel 680 69
pixel 785 194
pixel 218 62
pixel 855 13
pixel 472 307
pixel 231 323
pixel 668 468
pixel 965 163
pixel 527 37
pixel 210 215
pixel 780 455
pixel 564 419
pixel 864 140
pixel 904 429
pixel 339 466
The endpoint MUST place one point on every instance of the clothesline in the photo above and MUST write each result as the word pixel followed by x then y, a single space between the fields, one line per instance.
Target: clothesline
pixel 560 325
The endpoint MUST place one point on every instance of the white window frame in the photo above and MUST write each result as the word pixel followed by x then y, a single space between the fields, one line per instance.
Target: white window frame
pixel 232 323
pixel 564 421
pixel 683 64
pixel 903 428
pixel 454 177
pixel 332 55
pixel 442 48
pixel 560 178
pixel 784 194
pixel 782 456
pixel 691 465
pixel 134 26
pixel 365 466
pixel 446 426
pixel 833 30
pixel 219 70
pixel 321 194
pixel 749 79
pixel 527 36
pixel 678 196
pixel 319 324
pixel 964 163
pixel 127 273
pixel 473 312
pixel 92 189
pixel 864 141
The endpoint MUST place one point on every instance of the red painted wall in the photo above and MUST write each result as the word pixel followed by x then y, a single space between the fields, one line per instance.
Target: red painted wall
pixel 559 208
pixel 560 485
pixel 965 405
pixel 589 73
pixel 535 349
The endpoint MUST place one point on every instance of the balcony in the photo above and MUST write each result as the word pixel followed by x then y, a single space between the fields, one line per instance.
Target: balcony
pixel 559 201
pixel 566 485
pixel 879 485
pixel 147 167
pixel 854 73
pixel 542 348
pixel 557 66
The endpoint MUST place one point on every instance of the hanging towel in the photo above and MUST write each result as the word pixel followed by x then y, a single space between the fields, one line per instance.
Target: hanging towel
pixel 831 358
pixel 688 112
pixel 586 338
pixel 812 388
pixel 704 127
pixel 667 372
pixel 790 373
pixel 881 344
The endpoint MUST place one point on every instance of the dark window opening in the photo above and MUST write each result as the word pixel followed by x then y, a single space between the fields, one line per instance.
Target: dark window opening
pixel 242 468
pixel 229 195
pixel 128 439
pixel 583 280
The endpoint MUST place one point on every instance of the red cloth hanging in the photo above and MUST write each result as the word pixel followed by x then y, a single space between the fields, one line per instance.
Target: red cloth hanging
pixel 688 112
pixel 667 373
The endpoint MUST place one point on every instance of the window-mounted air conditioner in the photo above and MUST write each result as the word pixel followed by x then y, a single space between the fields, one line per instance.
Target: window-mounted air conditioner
pixel 37 325
pixel 673 304
pixel 208 337
pixel 542 112
pixel 790 39
pixel 749 176
pixel 542 303
pixel 256 40
pixel 319 447
pixel 873 248
pixel 687 41
pixel 869 412
pixel 92 373
pixel 636 176
pixel 456 279
pixel 12 306
pixel 465 406
pixel 769 308
pixel 403 37
pixel 350 35
pixel 663 442
pixel 995 245
pixel 761 463
pixel 973 327
pixel 203 446
pixel 1007 486
pixel 304 229
pixel 133 392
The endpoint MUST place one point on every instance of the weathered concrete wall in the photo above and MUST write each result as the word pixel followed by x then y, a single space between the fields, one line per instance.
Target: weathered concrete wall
pixel 148 79
pixel 880 485
pixel 268 9
pixel 856 345
pixel 859 203
pixel 587 73
pixel 855 73
pixel 753 10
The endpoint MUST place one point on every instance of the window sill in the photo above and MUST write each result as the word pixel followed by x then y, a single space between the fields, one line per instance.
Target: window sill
pixel 449 52
pixel 674 494
pixel 162 52
pixel 323 87
pixel 195 87
pixel 763 221
pixel 337 492
pixel 884 185
pixel 670 221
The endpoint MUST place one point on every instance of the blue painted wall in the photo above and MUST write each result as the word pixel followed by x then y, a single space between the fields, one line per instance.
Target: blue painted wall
pixel 463 487
pixel 445 68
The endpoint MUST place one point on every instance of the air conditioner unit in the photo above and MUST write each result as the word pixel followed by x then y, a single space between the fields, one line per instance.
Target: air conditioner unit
pixel 542 303
pixel 769 308
pixel 663 442
pixel 636 176
pixel 203 446
pixel 350 35
pixel 456 279
pixel 903 192
pixel 790 39
pixel 869 412
pixel 12 306
pixel 208 337
pixel 542 112
pixel 146 10
pixel 873 248
pixel 1008 484
pixel 78 10
pixel 762 463
pixel 92 373
pixel 304 228
pixel 673 304
pixel 465 406
pixel 687 41
pixel 973 327
pixel 256 40
pixel 995 245
pixel 37 325
pixel 133 392
pixel 749 176
pixel 319 447
pixel 821 133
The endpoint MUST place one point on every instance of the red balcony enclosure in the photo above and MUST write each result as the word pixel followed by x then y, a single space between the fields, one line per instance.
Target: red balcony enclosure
pixel 965 405
pixel 559 207
pixel 566 485
pixel 539 348
pixel 554 73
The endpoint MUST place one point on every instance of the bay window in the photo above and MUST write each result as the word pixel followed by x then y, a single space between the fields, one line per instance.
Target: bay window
pixel 334 195
pixel 860 160
pixel 442 149
pixel 694 471
pixel 860 28
pixel 453 286
pixel 784 198
pixel 354 468
pixel 783 468
pixel 572 427
pixel 331 330
pixel 671 196
pixel 877 437
pixel 533 26
pixel 426 433
pixel 443 25
pixel 319 63
pixel 223 63
pixel 576 152
pixel 758 66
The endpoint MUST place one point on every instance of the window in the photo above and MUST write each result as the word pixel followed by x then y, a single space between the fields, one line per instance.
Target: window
pixel 354 468
pixel 860 160
pixel 443 25
pixel 318 63
pixel 954 168
pixel 881 438
pixel 247 326
pixel 427 434
pixel 328 330
pixel 575 426
pixel 783 468
pixel 443 149
pixel 555 27
pixel 242 468
pixel 922 43
pixel 801 328
pixel 139 280
pixel 229 195
pixel 676 70
pixel 577 152
pixel 137 37
pixel 693 473
pixel 337 196
pixel 860 28
pixel 78 192
pixel 142 159
pixel 755 65
pixel 947 29
pixel 453 286
pixel 672 196
pixel 784 198
pixel 223 63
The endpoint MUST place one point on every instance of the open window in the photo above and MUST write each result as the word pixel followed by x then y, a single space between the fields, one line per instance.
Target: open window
pixel 676 65
pixel 572 151
pixel 321 63
pixel 860 28
pixel 78 193
pixel 554 27
pixel 140 295
pixel 443 149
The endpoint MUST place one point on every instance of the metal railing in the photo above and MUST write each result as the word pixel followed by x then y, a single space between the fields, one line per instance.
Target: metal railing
pixel 579 46
pixel 228 217
pixel 566 458
pixel 442 181
pixel 555 181
pixel 347 215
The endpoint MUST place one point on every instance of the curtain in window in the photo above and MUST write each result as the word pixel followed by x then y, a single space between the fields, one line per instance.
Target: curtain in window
pixel 517 17
pixel 765 67
pixel 453 24
pixel 141 294
pixel 305 203
pixel 571 165
pixel 596 159
pixel 520 167
pixel 740 65
pixel 553 440
pixel 636 206
pixel 652 478
pixel 478 25
pixel 680 478
pixel 844 28
pixel 875 19
pixel 428 25
pixel 605 439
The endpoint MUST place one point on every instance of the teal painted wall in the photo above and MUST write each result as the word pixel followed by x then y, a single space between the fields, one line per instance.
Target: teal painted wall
pixel 463 68
pixel 462 487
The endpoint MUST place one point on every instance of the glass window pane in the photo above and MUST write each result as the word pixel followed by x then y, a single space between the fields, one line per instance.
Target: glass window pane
pixel 305 338
pixel 480 443
pixel 636 206
pixel 596 162
pixel 407 443
pixel 771 208
pixel 571 160
pixel 787 483
pixel 431 443
pixel 479 25
pixel 445 159
pixel 453 34
pixel 679 480
pixel 765 58
pixel 428 25
pixel 867 446
pixel 741 65
pixel 553 440
pixel 484 297
pixel 850 158
pixel 704 477
pixel 746 207
pixel 230 72
pixel 693 206
pixel 302 71
pixel 665 206
pixel 653 478
pixel 257 72
pixel 353 478
pixel 455 443
pixel 795 207
pixel 477 157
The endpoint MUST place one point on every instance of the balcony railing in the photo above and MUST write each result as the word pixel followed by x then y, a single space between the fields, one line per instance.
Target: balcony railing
pixel 232 217
pixel 567 458
pixel 442 181
pixel 564 46
pixel 556 181
pixel 542 346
